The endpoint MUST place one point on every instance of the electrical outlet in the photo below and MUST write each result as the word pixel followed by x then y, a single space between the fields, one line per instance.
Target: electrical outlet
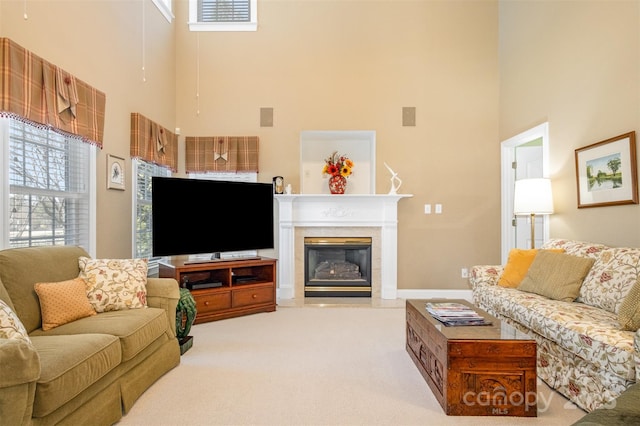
pixel 464 273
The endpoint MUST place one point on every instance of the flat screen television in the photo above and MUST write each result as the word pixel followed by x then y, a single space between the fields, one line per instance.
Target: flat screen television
pixel 196 216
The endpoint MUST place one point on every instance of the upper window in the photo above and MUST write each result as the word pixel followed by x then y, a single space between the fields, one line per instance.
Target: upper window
pixel 223 15
pixel 50 193
pixel 165 8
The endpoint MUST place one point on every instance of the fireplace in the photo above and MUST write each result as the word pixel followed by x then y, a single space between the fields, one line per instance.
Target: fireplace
pixel 337 266
pixel 320 215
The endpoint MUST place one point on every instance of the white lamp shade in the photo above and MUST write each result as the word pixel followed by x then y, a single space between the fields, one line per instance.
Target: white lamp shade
pixel 532 196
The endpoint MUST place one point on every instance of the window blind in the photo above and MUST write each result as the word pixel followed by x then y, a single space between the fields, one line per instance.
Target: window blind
pixel 224 11
pixel 48 187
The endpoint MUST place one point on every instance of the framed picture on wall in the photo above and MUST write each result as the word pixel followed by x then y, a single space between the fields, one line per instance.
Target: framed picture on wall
pixel 606 172
pixel 115 172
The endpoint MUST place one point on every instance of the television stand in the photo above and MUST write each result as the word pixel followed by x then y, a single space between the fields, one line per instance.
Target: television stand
pixel 243 285
pixel 221 259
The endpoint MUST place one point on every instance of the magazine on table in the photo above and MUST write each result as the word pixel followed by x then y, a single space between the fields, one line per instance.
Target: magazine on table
pixel 452 314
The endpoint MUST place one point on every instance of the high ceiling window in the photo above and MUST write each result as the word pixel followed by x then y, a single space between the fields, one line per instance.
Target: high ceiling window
pixel 223 15
pixel 165 8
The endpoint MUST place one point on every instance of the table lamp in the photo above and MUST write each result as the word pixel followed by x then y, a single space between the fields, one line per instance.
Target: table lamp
pixel 532 197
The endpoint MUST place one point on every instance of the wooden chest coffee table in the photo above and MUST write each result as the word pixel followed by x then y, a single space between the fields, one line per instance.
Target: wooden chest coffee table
pixel 487 370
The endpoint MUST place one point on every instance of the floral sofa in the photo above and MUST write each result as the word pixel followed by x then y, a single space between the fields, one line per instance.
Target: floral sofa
pixel 588 342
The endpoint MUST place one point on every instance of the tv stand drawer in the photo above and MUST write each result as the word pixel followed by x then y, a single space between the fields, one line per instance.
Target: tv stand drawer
pixel 211 301
pixel 252 296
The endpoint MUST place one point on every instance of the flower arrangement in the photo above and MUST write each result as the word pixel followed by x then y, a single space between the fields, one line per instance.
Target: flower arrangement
pixel 337 165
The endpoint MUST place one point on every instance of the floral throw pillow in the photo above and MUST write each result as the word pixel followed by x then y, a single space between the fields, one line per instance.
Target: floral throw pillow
pixel 10 325
pixel 611 278
pixel 115 284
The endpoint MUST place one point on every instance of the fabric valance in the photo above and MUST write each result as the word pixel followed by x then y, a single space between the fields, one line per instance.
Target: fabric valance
pixel 221 154
pixel 42 93
pixel 153 143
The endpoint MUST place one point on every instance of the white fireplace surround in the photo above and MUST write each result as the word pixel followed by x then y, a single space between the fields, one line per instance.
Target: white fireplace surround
pixel 323 215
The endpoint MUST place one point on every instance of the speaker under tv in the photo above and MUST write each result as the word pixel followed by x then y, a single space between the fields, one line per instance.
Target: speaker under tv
pixel 210 217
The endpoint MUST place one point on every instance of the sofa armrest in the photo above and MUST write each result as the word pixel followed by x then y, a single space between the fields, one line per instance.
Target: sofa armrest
pixel 485 274
pixel 164 293
pixel 20 370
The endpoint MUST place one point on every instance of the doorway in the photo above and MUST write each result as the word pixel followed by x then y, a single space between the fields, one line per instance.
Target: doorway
pixel 523 156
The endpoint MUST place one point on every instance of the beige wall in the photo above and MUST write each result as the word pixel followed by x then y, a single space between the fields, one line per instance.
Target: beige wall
pixel 322 65
pixel 346 65
pixel 576 65
pixel 101 42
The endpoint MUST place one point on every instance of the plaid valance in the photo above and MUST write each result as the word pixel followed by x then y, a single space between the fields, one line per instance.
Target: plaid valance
pixel 44 94
pixel 221 154
pixel 153 143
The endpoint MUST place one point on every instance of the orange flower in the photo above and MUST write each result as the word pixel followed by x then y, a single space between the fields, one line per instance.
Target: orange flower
pixel 337 165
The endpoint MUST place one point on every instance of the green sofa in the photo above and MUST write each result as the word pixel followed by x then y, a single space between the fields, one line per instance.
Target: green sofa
pixel 88 371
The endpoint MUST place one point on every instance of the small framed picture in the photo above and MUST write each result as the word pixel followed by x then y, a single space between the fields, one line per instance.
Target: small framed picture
pixel 115 172
pixel 606 172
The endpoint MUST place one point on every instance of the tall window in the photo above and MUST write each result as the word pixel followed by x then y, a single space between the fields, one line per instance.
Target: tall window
pixel 143 235
pixel 48 187
pixel 165 8
pixel 223 15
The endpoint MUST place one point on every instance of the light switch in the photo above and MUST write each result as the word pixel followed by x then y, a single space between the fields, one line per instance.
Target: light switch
pixel 438 208
pixel 427 209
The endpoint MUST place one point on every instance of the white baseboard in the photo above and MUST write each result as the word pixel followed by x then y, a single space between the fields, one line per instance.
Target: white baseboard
pixel 435 294
pixel 406 294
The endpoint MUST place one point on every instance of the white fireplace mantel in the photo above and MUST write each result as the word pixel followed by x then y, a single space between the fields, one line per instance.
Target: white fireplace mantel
pixel 338 212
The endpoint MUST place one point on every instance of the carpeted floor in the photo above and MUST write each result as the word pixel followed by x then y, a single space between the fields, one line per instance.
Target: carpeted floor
pixel 309 366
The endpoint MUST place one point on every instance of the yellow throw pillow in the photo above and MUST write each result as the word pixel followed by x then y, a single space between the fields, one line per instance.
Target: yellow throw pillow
pixel 629 313
pixel 115 284
pixel 518 265
pixel 63 302
pixel 557 276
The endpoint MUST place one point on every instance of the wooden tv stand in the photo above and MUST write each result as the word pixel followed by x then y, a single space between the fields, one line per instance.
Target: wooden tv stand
pixel 227 288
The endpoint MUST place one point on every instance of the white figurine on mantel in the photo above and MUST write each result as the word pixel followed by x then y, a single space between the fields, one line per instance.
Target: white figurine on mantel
pixel 396 182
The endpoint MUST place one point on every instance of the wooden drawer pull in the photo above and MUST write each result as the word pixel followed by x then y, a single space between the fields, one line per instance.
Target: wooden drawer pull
pixel 254 296
pixel 206 303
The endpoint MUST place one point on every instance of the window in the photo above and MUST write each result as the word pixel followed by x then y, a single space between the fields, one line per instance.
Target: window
pixel 223 15
pixel 143 236
pixel 165 8
pixel 48 187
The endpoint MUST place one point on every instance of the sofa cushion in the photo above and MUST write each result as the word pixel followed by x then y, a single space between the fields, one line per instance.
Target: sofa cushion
pixel 556 275
pixel 629 312
pixel 114 284
pixel 611 278
pixel 10 325
pixel 590 333
pixel 70 364
pixel 518 265
pixel 21 268
pixel 136 328
pixel 576 248
pixel 63 302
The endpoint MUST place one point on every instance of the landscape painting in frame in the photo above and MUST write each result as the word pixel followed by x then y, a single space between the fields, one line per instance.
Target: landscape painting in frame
pixel 606 172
